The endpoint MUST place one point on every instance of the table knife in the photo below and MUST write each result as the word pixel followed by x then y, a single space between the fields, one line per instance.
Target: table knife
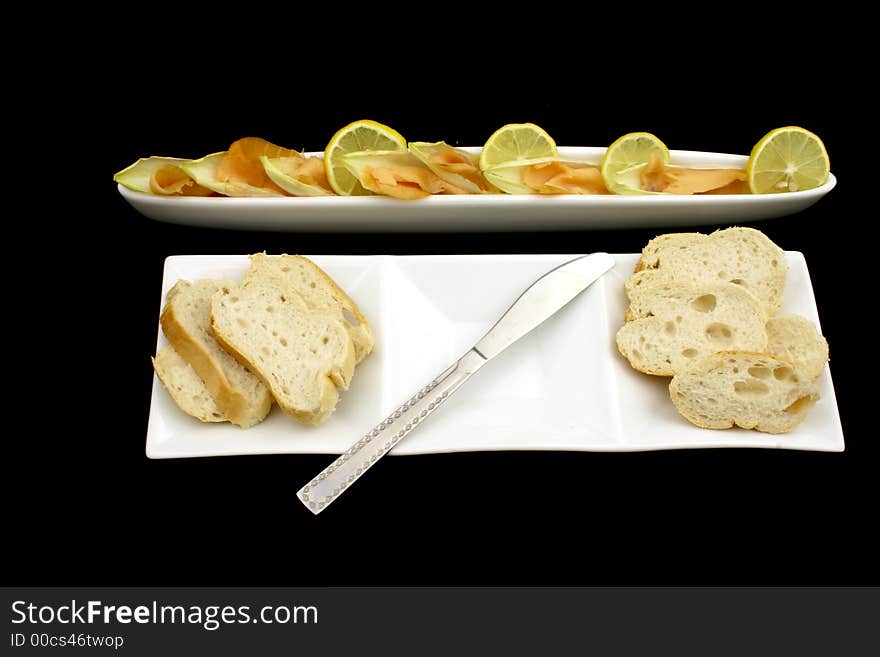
pixel 537 303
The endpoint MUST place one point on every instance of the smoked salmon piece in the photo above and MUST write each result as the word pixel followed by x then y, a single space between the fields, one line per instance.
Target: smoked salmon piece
pixel 547 175
pixel 736 187
pixel 455 166
pixel 299 176
pixel 170 180
pixel 659 177
pixel 556 177
pixel 398 174
pixel 241 164
pixel 204 172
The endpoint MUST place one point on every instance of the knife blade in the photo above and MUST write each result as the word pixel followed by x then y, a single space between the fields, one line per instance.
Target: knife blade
pixel 541 300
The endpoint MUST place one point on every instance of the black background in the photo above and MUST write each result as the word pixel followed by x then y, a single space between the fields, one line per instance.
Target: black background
pixel 85 505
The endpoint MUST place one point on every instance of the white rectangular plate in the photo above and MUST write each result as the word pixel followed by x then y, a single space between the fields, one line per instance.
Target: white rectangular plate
pixel 562 387
pixel 487 212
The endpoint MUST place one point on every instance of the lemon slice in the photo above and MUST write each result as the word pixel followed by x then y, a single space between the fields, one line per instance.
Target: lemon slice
pixel 625 160
pixel 787 159
pixel 355 137
pixel 514 142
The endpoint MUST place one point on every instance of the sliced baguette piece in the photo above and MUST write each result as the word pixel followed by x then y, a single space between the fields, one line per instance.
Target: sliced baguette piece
pixel 795 339
pixel 748 390
pixel 319 291
pixel 675 324
pixel 743 256
pixel 303 355
pixel 665 242
pixel 187 390
pixel 186 322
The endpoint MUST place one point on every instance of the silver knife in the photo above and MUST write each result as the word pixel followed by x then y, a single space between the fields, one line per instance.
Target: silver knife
pixel 539 301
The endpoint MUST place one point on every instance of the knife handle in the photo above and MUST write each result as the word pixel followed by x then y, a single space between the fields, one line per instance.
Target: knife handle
pixel 360 457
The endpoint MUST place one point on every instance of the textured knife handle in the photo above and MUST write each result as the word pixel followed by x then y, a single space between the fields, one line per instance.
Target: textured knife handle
pixel 344 471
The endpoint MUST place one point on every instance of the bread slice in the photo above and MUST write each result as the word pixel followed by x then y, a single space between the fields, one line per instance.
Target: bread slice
pixel 743 256
pixel 186 322
pixel 303 355
pixel 187 390
pixel 748 390
pixel 667 242
pixel 675 324
pixel 319 291
pixel 795 339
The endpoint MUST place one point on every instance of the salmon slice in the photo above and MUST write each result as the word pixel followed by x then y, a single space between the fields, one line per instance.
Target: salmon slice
pixel 171 180
pixel 298 176
pixel 658 177
pixel 401 182
pixel 241 164
pixel 204 172
pixel 700 181
pixel 736 187
pixel 398 174
pixel 406 182
pixel 555 177
pixel 652 178
pixel 453 165
pixel 453 161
